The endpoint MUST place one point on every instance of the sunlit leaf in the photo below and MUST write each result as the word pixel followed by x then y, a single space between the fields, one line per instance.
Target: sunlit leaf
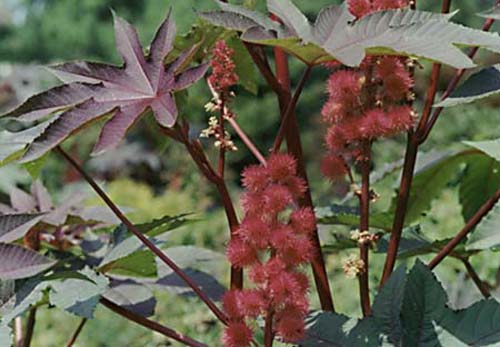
pixel 95 90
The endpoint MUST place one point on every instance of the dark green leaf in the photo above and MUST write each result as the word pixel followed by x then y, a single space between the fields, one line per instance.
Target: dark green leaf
pixel 245 69
pixel 347 215
pixel 325 329
pixel 480 181
pixel 430 181
pixel 132 296
pixel 478 86
pixel 424 303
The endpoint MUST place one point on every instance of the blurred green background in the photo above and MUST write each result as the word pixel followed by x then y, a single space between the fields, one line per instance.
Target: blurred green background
pixel 154 177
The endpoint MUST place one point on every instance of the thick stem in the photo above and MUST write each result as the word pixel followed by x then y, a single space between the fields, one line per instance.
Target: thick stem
pixel 290 109
pixel 401 206
pixel 483 288
pixel 364 225
pixel 409 167
pixel 151 325
pixel 268 330
pixel 292 136
pixel 469 226
pixel 131 227
pixel 76 334
pixel 30 328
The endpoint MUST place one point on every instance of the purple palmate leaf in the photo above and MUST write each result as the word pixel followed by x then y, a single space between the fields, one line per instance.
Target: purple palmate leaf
pixel 124 93
pixel 18 262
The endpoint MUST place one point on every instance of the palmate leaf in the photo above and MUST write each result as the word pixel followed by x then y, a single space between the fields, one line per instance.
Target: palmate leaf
pixel 15 226
pixel 410 310
pixel 96 90
pixel 430 180
pixel 486 235
pixel 6 336
pixel 336 34
pixel 18 262
pixel 79 297
pixel 133 296
pixel 478 86
pixel 347 215
pixel 480 181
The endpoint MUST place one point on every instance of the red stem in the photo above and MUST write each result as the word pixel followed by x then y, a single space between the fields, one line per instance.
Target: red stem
pixel 158 252
pixel 290 110
pixel 469 226
pixel 246 140
pixel 292 136
pixel 77 332
pixel 364 225
pixel 483 288
pixel 408 169
pixel 268 329
pixel 30 328
pixel 151 324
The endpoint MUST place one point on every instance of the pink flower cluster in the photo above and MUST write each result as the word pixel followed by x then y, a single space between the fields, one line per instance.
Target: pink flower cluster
pixel 365 103
pixel 223 75
pixel 272 242
pixel 361 8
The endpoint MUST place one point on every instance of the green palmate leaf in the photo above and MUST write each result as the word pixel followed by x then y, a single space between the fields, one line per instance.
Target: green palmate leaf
pixel 424 303
pixel 490 148
pixel 486 235
pixel 206 282
pixel 245 69
pixel 410 311
pixel 478 325
pixel 167 223
pixel 35 167
pixel 336 34
pixel 478 86
pixel 414 243
pixel 137 265
pixel 6 336
pixel 326 329
pixel 480 181
pixel 133 296
pixel 347 215
pixel 14 144
pixel 429 182
pixel 18 262
pixel 29 293
pixel 79 297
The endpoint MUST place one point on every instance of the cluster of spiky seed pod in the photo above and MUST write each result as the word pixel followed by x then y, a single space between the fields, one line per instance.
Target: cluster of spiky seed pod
pixel 272 242
pixel 365 103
